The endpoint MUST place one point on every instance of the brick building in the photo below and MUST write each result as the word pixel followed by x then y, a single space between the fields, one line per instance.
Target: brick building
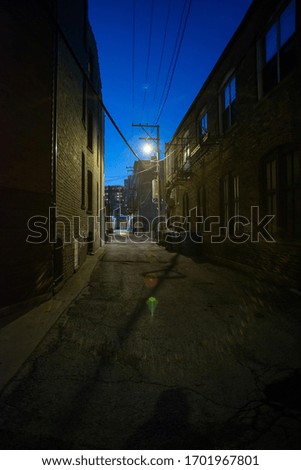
pixel 114 200
pixel 52 140
pixel 142 200
pixel 236 155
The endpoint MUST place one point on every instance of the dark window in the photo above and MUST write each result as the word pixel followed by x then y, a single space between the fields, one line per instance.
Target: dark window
pixel 83 186
pixel 225 202
pixel 90 131
pixel 229 201
pixel 91 65
pixel 202 202
pixel 84 105
pixel 97 197
pixel 186 206
pixel 236 195
pixel 90 191
pixel 229 104
pixel 271 187
pixel 279 49
pixel 186 147
pixel 204 127
pixel 98 146
pixel 282 191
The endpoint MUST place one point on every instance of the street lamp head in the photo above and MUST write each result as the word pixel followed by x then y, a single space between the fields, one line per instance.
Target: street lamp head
pixel 147 148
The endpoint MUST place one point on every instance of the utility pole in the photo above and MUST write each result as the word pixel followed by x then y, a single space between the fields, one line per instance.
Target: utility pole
pixel 156 140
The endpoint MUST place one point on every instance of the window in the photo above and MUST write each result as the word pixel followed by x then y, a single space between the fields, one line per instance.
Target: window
pixel 229 201
pixel 90 191
pixel 278 50
pixel 186 150
pixel 83 185
pixel 168 164
pixel 186 206
pixel 90 65
pixel 204 127
pixel 202 202
pixel 225 200
pixel 98 146
pixel 97 197
pixel 236 195
pixel 90 131
pixel 282 191
pixel 292 194
pixel 229 104
pixel 84 105
pixel 271 190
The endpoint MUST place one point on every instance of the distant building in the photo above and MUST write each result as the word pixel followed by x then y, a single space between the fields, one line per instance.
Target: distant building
pixel 51 178
pixel 129 193
pixel 237 151
pixel 114 200
pixel 142 201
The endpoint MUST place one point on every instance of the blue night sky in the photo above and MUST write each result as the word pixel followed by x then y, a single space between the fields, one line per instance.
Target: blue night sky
pixel 134 72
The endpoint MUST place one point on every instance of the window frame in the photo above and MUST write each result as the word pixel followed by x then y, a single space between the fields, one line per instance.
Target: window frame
pixel 276 197
pixel 203 131
pixel 186 146
pixel 231 109
pixel 90 130
pixel 83 181
pixel 264 67
pixel 90 192
pixel 84 102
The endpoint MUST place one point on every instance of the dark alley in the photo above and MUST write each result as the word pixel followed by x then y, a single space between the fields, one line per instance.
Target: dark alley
pixel 216 366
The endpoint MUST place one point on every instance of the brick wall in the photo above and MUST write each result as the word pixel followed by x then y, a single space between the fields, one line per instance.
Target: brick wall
pixel 73 130
pixel 262 125
pixel 29 186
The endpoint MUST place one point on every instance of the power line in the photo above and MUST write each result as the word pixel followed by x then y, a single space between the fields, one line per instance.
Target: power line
pixel 148 54
pixel 162 50
pixel 133 57
pixel 176 60
pixel 173 56
pixel 113 178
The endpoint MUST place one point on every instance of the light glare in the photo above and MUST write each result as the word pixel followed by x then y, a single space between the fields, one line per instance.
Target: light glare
pixel 147 149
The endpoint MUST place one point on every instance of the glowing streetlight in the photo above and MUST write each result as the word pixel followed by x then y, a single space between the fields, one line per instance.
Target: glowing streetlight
pixel 147 148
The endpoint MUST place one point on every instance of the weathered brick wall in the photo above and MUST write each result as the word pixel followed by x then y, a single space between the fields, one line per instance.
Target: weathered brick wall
pixel 72 143
pixel 27 129
pixel 262 125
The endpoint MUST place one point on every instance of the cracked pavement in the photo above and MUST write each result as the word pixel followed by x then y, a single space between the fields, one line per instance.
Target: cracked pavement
pixel 218 365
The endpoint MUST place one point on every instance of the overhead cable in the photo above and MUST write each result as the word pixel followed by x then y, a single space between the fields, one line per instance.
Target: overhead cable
pixel 133 57
pixel 175 63
pixel 148 55
pixel 162 50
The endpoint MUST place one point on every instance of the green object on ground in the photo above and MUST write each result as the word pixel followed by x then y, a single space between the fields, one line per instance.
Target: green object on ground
pixel 152 303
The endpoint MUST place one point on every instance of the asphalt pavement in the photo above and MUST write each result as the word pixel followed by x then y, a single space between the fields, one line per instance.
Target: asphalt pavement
pixel 161 351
